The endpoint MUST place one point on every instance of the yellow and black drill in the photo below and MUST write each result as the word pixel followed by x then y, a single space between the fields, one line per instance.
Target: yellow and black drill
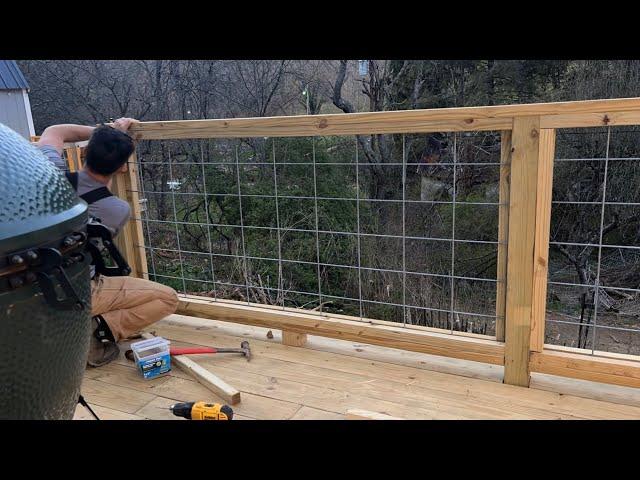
pixel 202 411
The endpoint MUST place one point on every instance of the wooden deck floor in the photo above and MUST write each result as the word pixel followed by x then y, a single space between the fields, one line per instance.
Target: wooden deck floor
pixel 327 377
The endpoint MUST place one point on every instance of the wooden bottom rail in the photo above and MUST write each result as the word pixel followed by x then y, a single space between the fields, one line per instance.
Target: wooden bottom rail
pixel 293 339
pixel 587 367
pixel 455 346
pixel 297 324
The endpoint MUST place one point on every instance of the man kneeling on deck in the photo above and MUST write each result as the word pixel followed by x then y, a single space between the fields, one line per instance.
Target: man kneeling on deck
pixel 121 306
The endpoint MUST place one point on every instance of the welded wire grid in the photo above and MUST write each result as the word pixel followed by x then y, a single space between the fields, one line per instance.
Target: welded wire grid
pixel 593 299
pixel 325 226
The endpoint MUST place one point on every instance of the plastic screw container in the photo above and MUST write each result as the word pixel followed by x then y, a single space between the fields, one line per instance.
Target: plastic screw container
pixel 152 357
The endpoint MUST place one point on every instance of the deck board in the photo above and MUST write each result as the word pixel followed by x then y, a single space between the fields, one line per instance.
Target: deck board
pixel 327 377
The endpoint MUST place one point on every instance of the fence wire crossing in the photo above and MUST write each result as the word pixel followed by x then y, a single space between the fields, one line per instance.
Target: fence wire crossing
pixel 327 226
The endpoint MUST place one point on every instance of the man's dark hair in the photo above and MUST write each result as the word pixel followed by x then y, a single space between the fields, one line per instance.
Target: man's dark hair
pixel 108 150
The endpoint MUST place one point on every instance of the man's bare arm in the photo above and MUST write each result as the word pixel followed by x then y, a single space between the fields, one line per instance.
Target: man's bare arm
pixel 58 135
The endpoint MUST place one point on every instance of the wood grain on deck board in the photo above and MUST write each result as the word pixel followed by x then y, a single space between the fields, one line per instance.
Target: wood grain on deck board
pixel 393 357
pixel 179 387
pixel 283 382
pixel 103 413
pixel 158 409
pixel 306 363
pixel 124 399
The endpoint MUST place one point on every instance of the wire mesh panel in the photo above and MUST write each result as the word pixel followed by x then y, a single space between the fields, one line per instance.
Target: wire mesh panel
pixel 399 228
pixel 593 298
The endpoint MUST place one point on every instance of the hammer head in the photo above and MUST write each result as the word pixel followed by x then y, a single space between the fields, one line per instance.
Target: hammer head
pixel 246 351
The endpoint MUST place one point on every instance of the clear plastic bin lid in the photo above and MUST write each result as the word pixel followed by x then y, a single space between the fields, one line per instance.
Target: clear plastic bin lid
pixel 152 346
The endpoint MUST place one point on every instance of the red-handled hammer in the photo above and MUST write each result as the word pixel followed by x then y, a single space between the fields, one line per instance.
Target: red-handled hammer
pixel 244 350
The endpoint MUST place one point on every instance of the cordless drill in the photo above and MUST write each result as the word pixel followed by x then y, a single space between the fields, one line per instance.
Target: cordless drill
pixel 202 411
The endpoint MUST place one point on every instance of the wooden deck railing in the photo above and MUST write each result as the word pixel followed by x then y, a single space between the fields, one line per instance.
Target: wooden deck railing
pixel 528 142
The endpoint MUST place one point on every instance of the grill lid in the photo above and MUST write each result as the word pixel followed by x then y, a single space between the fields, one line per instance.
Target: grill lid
pixel 38 203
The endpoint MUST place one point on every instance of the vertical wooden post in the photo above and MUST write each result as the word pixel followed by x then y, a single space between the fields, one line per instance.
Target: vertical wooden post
pixel 503 232
pixel 79 159
pixel 541 249
pixel 522 226
pixel 72 158
pixel 136 225
pixel 73 154
pixel 130 241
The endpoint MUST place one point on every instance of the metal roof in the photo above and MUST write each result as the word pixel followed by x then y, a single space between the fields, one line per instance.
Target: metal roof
pixel 11 77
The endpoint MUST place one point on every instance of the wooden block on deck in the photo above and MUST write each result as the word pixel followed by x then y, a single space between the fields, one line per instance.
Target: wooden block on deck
pixel 205 377
pixel 294 339
pixel 208 379
pixel 358 414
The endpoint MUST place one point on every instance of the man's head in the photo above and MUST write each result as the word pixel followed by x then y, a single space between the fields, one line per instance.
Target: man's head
pixel 108 150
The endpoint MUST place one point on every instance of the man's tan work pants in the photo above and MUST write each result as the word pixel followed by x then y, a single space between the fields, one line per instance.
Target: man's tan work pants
pixel 129 304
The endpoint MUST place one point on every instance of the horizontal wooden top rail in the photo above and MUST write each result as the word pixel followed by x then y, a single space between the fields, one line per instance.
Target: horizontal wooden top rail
pixel 588 113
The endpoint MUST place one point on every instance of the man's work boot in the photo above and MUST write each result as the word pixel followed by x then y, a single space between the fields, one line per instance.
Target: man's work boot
pixel 103 347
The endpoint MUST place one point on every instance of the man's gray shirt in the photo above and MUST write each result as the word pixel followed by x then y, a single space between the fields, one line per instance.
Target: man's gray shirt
pixel 112 211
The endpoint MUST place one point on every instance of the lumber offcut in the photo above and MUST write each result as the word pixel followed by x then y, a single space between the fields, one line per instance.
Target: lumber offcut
pixel 208 379
pixel 358 414
pixel 204 377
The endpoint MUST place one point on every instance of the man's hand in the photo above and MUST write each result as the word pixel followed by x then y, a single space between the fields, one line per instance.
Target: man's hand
pixel 124 123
